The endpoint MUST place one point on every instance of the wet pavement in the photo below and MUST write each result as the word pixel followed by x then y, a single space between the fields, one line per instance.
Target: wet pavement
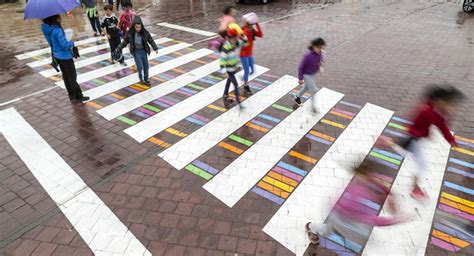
pixel 162 188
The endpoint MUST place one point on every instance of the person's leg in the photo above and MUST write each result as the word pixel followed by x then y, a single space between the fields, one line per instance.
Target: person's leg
pixel 146 66
pixel 236 85
pixel 245 64
pixel 139 64
pixel 97 24
pixel 310 83
pixel 64 73
pixel 112 48
pixel 70 76
pixel 252 64
pixel 92 22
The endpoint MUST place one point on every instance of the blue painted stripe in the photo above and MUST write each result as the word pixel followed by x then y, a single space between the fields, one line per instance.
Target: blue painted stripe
pixel 169 98
pixel 461 172
pixel 206 80
pixel 465 143
pixel 274 198
pixel 459 187
pixel 139 113
pixel 395 133
pixel 389 154
pixel 363 201
pixel 350 104
pixel 344 242
pixel 188 90
pixel 382 162
pixel 453 232
pixel 205 167
pixel 292 168
pixel 261 124
pixel 461 162
pixel 131 90
pixel 195 121
pixel 262 80
pixel 402 120
pixel 339 250
pixel 269 118
pixel 311 137
pixel 159 103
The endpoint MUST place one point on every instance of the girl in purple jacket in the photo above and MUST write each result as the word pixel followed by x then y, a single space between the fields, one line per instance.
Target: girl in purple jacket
pixel 309 66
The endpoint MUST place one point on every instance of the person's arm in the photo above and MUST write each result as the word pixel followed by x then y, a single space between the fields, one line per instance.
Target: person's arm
pixel 258 31
pixel 151 42
pixel 441 124
pixel 124 42
pixel 63 42
pixel 301 68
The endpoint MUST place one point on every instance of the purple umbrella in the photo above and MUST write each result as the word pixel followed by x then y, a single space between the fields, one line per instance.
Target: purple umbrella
pixel 40 9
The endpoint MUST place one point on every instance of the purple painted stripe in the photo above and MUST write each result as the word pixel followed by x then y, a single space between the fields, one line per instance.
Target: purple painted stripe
pixel 343 112
pixel 131 90
pixel 465 143
pixel 171 99
pixel 339 250
pixel 461 172
pixel 166 101
pixel 383 177
pixel 268 195
pixel 287 173
pixel 146 111
pixel 111 98
pixel 255 84
pixel 161 104
pixel 139 113
pixel 183 93
pixel 395 133
pixel 205 120
pixel 311 137
pixel 88 85
pixel 205 167
pixel 108 78
pixel 382 162
pixel 268 75
pixel 188 90
pixel 444 245
pixel 457 212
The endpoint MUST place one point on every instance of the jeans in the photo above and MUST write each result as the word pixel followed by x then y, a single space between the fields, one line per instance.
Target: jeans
pixel 95 24
pixel 141 60
pixel 68 70
pixel 309 84
pixel 248 65
pixel 114 42
pixel 232 80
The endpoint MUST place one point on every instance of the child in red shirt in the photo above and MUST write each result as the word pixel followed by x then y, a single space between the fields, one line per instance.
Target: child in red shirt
pixel 126 19
pixel 251 30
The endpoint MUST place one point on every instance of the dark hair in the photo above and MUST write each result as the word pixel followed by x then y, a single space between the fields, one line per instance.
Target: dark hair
pixel 317 42
pixel 52 20
pixel 128 4
pixel 228 9
pixel 108 7
pixel 366 167
pixel 445 92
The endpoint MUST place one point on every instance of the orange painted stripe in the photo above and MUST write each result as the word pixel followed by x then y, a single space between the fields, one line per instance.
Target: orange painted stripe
pixel 322 135
pixel 302 157
pixel 256 127
pixel 464 139
pixel 120 97
pixel 460 207
pixel 159 142
pixel 283 178
pixel 450 239
pixel 156 78
pixel 55 78
pixel 136 88
pixel 273 190
pixel 231 148
pixel 144 87
pixel 94 105
pixel 341 115
pixel 179 70
pixel 201 62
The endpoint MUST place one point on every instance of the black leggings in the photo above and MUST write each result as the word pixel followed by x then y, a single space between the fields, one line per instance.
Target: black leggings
pixel 95 24
pixel 232 80
pixel 68 70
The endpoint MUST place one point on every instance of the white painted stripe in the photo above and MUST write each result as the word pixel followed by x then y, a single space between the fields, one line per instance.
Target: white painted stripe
pixel 117 67
pixel 232 183
pixel 197 143
pixel 157 123
pixel 48 50
pixel 91 218
pixel 123 82
pixel 411 238
pixel 128 104
pixel 187 29
pixel 325 183
pixel 95 59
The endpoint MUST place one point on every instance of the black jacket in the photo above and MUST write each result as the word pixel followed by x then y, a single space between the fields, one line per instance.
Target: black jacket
pixel 129 38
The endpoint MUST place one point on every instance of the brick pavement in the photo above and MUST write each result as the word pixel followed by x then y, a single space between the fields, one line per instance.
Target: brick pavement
pixel 381 53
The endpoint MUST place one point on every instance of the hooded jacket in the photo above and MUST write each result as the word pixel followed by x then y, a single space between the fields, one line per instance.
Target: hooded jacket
pixel 129 38
pixel 89 3
pixel 54 34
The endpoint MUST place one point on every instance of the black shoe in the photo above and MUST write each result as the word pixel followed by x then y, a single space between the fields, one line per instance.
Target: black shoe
pixel 226 98
pixel 247 90
pixel 298 100
pixel 146 82
pixel 83 99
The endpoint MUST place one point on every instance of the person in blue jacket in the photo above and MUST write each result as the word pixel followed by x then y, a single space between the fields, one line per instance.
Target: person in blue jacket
pixel 62 52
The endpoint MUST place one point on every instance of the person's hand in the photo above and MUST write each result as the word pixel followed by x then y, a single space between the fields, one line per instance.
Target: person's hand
pixel 156 51
pixel 226 75
pixel 301 82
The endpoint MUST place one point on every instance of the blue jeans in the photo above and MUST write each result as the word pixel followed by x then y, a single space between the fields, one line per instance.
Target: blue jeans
pixel 232 80
pixel 248 65
pixel 141 60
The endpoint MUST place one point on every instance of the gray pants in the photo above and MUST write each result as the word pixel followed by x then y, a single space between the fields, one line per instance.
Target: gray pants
pixel 309 84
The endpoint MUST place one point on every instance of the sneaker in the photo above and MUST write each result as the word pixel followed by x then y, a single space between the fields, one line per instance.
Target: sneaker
pixel 247 90
pixel 147 82
pixel 112 61
pixel 298 100
pixel 226 98
pixel 81 99
pixel 95 34
pixel 418 194
pixel 315 110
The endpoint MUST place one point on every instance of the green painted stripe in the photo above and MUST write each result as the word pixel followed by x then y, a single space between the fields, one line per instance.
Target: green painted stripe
pixel 150 107
pixel 280 107
pixel 196 86
pixel 100 82
pixel 400 127
pixel 241 140
pixel 198 172
pixel 126 120
pixel 215 77
pixel 386 158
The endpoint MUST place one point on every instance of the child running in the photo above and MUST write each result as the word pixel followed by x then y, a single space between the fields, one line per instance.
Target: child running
pixel 309 66
pixel 112 32
pixel 251 30
pixel 126 19
pixel 229 61
pixel 93 15
pixel 228 18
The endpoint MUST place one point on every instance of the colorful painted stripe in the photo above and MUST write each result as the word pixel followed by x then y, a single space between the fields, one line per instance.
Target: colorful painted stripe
pixel 229 147
pixel 459 188
pixel 199 172
pixel 302 157
pixel 461 162
pixel 283 108
pixel 332 123
pixel 241 140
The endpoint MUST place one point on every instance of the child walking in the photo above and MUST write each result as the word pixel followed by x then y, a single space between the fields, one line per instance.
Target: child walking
pixel 309 66
pixel 251 30
pixel 93 15
pixel 126 19
pixel 229 61
pixel 228 18
pixel 139 41
pixel 110 23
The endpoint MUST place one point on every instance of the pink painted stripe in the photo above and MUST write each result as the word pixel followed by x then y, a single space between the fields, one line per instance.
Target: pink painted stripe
pixel 109 78
pixel 457 212
pixel 166 101
pixel 205 120
pixel 343 112
pixel 444 245
pixel 288 174
pixel 255 84
pixel 184 93
pixel 146 111
pixel 268 75
pixel 383 177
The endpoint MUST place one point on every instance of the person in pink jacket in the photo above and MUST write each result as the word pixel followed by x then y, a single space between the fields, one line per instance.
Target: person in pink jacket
pixel 229 17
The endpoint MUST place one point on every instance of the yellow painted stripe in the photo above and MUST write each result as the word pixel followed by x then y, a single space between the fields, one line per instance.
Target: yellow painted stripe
pixel 457 199
pixel 231 148
pixel 159 142
pixel 457 206
pixel 341 115
pixel 144 87
pixel 322 135
pixel 273 190
pixel 283 178
pixel 257 127
pixel 216 107
pixel 120 97
pixel 450 239
pixel 55 78
pixel 464 151
pixel 302 157
pixel 94 105
pixel 136 87
pixel 338 125
pixel 278 184
pixel 176 132
pixel 464 139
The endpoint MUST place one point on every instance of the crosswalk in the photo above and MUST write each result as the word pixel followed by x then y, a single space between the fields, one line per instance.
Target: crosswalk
pixel 272 149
